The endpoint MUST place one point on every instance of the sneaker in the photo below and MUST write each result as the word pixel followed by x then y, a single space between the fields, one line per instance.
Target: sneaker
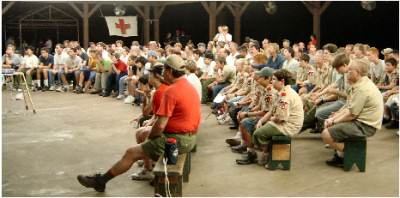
pixel 66 89
pixel 78 89
pixel 393 124
pixel 247 158
pixel 227 120
pixel 115 95
pixel 33 89
pixel 336 161
pixel 59 89
pixel 101 93
pixel 129 99
pixel 328 146
pixel 143 174
pixel 119 97
pixel 141 163
pixel 234 141
pixel 233 126
pixel 239 149
pixel 51 88
pixel 92 181
pixel 95 92
pixel 221 111
pixel 222 117
pixel 384 121
pixel 45 88
pixel 264 160
pixel 39 88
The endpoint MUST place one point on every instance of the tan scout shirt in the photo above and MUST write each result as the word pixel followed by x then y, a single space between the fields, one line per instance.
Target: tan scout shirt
pixel 322 77
pixel 391 79
pixel 365 101
pixel 307 74
pixel 228 74
pixel 248 83
pixel 289 108
pixel 268 98
pixel 239 81
pixel 258 93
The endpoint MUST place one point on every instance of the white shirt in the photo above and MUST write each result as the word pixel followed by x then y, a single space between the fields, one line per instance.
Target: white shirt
pixel 377 69
pixel 59 59
pixel 194 80
pixel 30 61
pixel 221 37
pixel 230 60
pixel 147 66
pixel 210 68
pixel 124 59
pixel 200 64
pixel 292 66
pixel 105 54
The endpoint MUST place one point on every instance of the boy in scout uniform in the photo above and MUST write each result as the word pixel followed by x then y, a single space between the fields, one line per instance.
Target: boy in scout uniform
pixel 305 80
pixel 285 118
pixel 360 117
pixel 251 118
pixel 390 77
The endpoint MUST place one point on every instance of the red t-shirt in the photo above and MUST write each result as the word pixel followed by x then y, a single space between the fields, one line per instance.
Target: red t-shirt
pixel 121 66
pixel 158 97
pixel 181 103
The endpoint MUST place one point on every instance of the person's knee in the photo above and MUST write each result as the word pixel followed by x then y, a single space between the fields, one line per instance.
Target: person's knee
pixel 326 136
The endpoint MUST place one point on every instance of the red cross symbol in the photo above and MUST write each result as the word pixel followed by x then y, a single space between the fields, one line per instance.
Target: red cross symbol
pixel 122 26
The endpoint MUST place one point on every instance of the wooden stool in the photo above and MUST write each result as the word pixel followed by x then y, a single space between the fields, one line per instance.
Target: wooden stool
pixel 280 152
pixel 176 174
pixel 355 151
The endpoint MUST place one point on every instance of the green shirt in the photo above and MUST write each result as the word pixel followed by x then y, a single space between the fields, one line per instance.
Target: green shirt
pixel 106 63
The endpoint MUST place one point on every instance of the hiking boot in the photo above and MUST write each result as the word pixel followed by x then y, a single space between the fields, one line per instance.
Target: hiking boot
pixel 106 94
pixel 393 124
pixel 92 181
pixel 143 174
pixel 247 158
pixel 264 159
pixel 234 141
pixel 336 161
pixel 239 149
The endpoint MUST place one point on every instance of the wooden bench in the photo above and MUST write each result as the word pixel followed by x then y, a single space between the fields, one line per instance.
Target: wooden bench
pixel 177 173
pixel 355 151
pixel 280 152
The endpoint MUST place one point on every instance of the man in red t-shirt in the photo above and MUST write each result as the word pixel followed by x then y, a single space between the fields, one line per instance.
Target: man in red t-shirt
pixel 178 117
pixel 118 69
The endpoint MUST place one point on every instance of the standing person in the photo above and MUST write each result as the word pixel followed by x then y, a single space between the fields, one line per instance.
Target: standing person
pixel 46 62
pixel 313 40
pixel 179 117
pixel 168 39
pixel 223 35
pixel 49 44
pixel 361 116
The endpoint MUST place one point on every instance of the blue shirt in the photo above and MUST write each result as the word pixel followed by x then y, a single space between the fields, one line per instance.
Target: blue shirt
pixel 278 62
pixel 259 67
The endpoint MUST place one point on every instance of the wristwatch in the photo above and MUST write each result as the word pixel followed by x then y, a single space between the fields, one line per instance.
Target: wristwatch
pixel 246 115
pixel 235 95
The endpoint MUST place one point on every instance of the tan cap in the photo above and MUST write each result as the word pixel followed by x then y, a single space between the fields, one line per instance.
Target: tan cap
pixel 387 51
pixel 175 62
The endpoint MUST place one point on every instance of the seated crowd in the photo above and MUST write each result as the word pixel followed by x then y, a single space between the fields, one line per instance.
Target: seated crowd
pixel 262 91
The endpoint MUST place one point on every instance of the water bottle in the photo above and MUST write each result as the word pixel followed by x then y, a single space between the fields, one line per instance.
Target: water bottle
pixel 171 151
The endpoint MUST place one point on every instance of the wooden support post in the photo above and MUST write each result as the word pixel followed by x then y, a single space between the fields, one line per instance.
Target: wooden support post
pixel 212 11
pixel 146 24
pixel 237 13
pixel 85 25
pixel 314 7
pixel 157 11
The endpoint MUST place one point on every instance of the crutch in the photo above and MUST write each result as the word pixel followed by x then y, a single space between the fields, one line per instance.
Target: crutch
pixel 29 94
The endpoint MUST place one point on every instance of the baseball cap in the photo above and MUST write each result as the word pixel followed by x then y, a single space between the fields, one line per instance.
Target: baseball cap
pixel 152 53
pixel 158 69
pixel 387 51
pixel 161 60
pixel 208 55
pixel 175 62
pixel 201 44
pixel 265 72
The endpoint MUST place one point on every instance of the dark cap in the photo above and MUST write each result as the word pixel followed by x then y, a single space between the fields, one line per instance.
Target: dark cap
pixel 158 69
pixel 208 55
pixel 201 44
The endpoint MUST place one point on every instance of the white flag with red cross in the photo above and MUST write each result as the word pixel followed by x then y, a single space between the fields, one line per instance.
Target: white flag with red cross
pixel 122 26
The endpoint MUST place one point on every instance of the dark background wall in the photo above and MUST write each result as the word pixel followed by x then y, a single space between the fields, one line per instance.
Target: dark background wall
pixel 341 23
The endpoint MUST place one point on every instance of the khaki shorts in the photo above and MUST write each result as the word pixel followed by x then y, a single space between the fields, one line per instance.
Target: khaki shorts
pixel 155 147
pixel 350 129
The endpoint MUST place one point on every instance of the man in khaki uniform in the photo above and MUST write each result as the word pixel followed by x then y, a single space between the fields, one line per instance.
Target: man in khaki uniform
pixel 223 78
pixel 285 117
pixel 360 117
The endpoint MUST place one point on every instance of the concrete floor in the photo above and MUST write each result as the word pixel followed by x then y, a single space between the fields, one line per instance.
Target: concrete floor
pixel 80 134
